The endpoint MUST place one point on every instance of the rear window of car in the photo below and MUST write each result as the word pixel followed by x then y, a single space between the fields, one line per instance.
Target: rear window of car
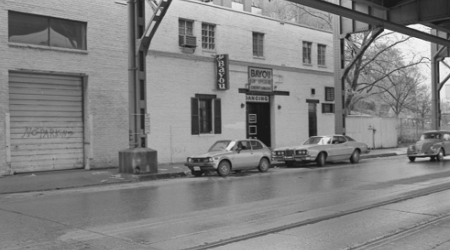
pixel 349 138
pixel 430 136
pixel 256 145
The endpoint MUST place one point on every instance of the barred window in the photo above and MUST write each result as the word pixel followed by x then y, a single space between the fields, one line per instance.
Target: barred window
pixel 307 52
pixel 321 53
pixel 258 44
pixel 208 36
pixel 329 94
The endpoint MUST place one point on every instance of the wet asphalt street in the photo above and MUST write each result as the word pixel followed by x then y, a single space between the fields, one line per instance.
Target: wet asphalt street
pixel 339 206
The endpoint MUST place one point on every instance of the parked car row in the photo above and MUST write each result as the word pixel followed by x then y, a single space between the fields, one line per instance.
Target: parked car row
pixel 225 156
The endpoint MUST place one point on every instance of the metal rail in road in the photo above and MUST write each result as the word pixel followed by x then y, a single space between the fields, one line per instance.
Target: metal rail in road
pixel 406 196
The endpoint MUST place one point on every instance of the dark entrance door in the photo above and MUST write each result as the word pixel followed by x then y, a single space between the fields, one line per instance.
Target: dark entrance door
pixel 312 119
pixel 258 122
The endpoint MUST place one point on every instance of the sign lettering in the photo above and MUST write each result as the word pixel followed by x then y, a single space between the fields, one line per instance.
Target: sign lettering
pixel 257 98
pixel 222 69
pixel 260 79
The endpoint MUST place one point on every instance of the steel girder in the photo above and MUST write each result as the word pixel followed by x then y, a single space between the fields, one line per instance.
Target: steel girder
pixel 363 15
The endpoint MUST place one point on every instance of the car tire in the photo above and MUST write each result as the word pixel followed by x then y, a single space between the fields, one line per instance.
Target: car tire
pixel 224 168
pixel 440 155
pixel 412 159
pixel 321 158
pixel 197 173
pixel 354 158
pixel 289 164
pixel 263 165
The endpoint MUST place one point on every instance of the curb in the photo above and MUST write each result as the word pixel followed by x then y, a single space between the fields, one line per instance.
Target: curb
pixel 378 155
pixel 158 176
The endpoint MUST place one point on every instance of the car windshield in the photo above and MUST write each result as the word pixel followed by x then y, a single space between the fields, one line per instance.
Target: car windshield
pixel 221 146
pixel 430 136
pixel 318 140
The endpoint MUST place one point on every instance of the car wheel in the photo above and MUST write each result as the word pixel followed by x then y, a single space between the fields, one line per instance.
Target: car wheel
pixel 224 168
pixel 354 158
pixel 197 173
pixel 440 155
pixel 412 159
pixel 290 164
pixel 263 165
pixel 321 159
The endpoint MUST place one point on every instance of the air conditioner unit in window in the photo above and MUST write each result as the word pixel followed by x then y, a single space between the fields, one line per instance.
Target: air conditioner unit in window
pixel 188 41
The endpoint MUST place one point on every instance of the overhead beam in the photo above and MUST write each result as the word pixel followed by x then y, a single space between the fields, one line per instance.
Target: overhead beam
pixel 352 14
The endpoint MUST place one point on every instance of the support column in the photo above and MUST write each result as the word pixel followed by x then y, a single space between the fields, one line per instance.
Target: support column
pixel 339 84
pixel 137 159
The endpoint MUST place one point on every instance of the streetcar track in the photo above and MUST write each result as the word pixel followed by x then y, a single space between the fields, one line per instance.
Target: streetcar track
pixel 398 234
pixel 407 196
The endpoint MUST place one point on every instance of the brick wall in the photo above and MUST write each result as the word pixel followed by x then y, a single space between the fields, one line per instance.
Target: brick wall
pixel 104 63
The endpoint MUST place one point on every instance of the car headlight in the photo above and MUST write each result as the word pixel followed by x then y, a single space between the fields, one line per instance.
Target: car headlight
pixel 189 159
pixel 301 152
pixel 278 153
pixel 411 147
pixel 209 159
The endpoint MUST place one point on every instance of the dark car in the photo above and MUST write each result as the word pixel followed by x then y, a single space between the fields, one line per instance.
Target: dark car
pixel 434 144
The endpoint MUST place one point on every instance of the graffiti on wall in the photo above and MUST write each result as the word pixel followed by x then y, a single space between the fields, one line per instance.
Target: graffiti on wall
pixel 35 132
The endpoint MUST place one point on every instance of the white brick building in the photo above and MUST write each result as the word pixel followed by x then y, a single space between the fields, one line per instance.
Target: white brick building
pixel 177 74
pixel 64 92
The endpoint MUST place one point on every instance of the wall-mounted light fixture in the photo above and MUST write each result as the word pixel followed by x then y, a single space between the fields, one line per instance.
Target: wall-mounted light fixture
pixel 242 105
pixel 279 106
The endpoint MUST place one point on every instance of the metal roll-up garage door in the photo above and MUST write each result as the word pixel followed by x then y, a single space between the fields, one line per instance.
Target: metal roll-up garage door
pixel 46 121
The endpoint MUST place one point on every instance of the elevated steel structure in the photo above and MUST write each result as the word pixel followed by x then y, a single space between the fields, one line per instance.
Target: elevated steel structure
pixel 364 15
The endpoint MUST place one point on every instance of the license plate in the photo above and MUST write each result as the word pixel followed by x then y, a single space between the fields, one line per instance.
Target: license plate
pixel 197 169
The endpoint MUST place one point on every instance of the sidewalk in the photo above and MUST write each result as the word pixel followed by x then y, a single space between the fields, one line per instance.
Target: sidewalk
pixel 64 179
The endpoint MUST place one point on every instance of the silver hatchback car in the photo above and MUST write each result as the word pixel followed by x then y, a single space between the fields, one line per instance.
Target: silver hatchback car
pixel 225 156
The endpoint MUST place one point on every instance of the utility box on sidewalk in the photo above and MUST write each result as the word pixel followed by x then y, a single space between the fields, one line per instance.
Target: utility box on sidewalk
pixel 138 161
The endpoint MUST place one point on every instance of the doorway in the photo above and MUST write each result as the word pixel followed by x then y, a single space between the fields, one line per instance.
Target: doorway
pixel 312 119
pixel 258 122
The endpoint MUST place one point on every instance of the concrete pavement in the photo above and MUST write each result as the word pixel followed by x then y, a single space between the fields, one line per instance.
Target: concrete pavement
pixel 64 179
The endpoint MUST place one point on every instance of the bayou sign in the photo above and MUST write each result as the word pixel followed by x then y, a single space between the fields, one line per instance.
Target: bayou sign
pixel 260 79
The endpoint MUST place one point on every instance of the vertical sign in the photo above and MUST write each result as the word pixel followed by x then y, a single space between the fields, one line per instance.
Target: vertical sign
pixel 222 70
pixel 260 79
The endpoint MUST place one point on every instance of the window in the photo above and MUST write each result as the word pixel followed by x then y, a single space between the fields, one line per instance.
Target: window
pixel 258 44
pixel 46 31
pixel 208 36
pixel 185 27
pixel 307 52
pixel 206 115
pixel 329 94
pixel 321 50
pixel 327 108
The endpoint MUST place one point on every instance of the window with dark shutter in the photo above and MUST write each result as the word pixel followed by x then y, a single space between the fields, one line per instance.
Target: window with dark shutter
pixel 194 117
pixel 206 114
pixel 217 117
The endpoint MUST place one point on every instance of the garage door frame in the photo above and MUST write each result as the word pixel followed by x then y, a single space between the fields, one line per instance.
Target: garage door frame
pixel 86 116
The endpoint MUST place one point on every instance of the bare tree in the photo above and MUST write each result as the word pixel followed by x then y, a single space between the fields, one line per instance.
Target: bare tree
pixel 293 12
pixel 373 61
